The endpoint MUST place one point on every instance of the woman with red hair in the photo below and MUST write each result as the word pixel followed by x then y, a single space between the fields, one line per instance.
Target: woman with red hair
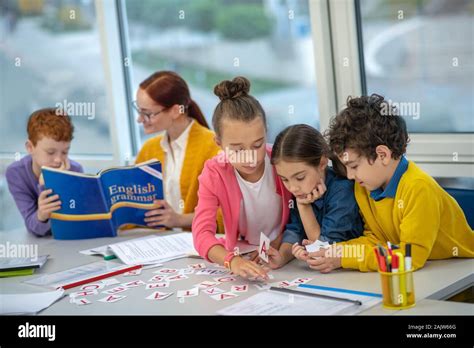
pixel 164 105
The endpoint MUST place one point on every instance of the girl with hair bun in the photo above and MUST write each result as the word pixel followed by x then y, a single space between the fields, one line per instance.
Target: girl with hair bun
pixel 241 181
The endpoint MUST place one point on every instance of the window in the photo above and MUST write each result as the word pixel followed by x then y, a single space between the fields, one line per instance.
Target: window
pixel 51 56
pixel 207 41
pixel 419 55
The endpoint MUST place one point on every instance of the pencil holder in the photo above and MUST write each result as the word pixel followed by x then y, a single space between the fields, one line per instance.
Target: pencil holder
pixel 398 289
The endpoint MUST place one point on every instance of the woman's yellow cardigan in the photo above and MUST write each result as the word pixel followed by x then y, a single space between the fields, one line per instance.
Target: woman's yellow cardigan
pixel 200 147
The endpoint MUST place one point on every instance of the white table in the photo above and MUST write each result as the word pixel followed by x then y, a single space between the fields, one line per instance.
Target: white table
pixel 437 280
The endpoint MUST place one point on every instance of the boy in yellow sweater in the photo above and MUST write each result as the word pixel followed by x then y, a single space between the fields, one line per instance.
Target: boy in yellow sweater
pixel 398 201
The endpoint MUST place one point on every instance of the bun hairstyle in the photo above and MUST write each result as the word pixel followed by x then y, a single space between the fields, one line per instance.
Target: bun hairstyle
pixel 303 143
pixel 235 103
pixel 167 88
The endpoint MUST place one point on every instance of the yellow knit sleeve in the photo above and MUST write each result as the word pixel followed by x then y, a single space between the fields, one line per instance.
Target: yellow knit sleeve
pixel 358 253
pixel 420 224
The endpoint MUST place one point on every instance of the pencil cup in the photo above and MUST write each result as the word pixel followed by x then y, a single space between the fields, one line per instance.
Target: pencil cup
pixel 398 290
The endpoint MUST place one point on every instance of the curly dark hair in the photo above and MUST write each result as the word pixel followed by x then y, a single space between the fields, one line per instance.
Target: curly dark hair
pixel 365 123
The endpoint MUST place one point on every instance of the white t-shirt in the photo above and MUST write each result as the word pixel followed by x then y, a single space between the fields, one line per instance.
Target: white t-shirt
pixel 260 208
pixel 174 159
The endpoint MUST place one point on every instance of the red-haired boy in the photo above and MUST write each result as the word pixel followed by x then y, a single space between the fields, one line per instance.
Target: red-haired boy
pixel 50 133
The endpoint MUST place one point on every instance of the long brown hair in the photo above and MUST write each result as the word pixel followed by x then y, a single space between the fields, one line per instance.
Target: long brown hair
pixel 303 143
pixel 167 88
pixel 236 103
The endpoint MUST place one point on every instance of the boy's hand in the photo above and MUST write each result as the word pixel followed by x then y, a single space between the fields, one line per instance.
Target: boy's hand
pixel 247 268
pixel 165 216
pixel 47 205
pixel 299 252
pixel 323 261
pixel 316 194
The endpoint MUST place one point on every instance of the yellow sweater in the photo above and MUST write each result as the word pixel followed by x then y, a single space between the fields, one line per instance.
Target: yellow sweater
pixel 421 213
pixel 200 147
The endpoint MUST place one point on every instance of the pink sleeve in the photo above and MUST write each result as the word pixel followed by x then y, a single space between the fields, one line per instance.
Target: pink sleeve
pixel 204 223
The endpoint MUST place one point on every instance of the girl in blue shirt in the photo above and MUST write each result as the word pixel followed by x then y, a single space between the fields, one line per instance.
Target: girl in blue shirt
pixel 325 207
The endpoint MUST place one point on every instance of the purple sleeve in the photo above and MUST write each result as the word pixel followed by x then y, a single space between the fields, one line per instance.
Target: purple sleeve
pixel 27 202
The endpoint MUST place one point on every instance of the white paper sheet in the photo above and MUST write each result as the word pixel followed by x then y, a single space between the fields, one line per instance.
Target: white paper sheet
pixel 275 303
pixel 154 249
pixel 73 275
pixel 272 303
pixel 15 304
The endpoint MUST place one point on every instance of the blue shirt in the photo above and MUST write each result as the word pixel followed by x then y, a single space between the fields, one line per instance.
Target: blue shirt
pixel 336 212
pixel 392 186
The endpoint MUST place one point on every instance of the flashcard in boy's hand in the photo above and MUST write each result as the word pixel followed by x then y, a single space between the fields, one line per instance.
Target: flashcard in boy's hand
pixel 264 246
pixel 311 248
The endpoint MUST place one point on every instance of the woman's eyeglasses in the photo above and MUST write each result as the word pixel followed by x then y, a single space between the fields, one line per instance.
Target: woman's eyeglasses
pixel 147 116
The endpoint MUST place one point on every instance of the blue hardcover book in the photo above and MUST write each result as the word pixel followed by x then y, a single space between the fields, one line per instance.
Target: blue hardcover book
pixel 95 206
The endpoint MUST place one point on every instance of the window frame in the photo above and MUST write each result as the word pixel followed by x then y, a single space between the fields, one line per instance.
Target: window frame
pixel 436 153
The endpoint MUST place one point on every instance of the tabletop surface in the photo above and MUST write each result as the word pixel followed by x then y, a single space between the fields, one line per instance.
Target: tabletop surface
pixel 434 277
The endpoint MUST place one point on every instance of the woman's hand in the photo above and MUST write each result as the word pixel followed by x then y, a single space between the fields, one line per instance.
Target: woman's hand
pixel 47 205
pixel 163 216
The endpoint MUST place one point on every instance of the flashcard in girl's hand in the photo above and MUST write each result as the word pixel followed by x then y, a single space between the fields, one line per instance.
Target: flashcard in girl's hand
pixel 133 284
pixel 264 246
pixel 224 296
pixel 93 286
pixel 197 266
pixel 166 271
pixel 112 298
pixel 157 295
pixel 213 291
pixel 157 285
pixel 176 277
pixel 188 293
pixel 239 288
